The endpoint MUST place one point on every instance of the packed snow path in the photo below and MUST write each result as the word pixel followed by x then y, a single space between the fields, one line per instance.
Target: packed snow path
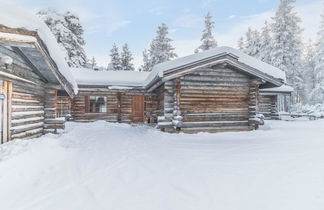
pixel 100 166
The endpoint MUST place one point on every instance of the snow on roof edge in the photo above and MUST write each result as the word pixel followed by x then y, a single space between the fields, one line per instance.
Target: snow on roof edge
pixel 218 51
pixel 283 88
pixel 159 70
pixel 13 17
pixel 85 76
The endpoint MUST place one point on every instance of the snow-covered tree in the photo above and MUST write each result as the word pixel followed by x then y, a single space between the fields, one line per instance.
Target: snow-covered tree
pixel 126 58
pixel 240 43
pixel 93 63
pixel 68 31
pixel 310 73
pixel 115 60
pixel 287 45
pixel 265 43
pixel 317 95
pixel 207 38
pixel 161 49
pixel 252 44
pixel 146 62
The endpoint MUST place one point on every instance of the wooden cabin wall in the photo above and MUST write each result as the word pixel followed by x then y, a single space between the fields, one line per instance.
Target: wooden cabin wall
pixel 79 106
pixel 27 110
pixel 268 106
pixel 119 105
pixel 27 98
pixel 212 99
pixel 63 106
pixel 155 104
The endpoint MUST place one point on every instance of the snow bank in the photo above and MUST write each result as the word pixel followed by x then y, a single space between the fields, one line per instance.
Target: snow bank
pixel 85 76
pixel 281 89
pixel 117 166
pixel 19 18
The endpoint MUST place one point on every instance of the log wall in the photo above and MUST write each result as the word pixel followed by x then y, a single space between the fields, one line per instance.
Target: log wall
pixel 268 106
pixel 214 99
pixel 27 110
pixel 119 105
pixel 30 101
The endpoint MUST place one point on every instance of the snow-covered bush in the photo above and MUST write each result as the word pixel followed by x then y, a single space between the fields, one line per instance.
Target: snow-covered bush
pixel 317 109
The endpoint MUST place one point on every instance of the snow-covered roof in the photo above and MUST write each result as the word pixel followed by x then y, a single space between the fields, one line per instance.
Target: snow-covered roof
pixel 17 18
pixel 281 89
pixel 85 76
pixel 142 79
pixel 218 51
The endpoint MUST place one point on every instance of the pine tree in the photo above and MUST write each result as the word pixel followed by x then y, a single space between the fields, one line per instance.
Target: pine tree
pixel 252 45
pixel 207 38
pixel 317 95
pixel 161 49
pixel 146 62
pixel 126 59
pixel 310 67
pixel 241 44
pixel 68 31
pixel 287 46
pixel 93 63
pixel 265 44
pixel 115 60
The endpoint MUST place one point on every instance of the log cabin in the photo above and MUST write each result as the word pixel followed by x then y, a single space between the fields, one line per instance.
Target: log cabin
pixel 273 101
pixel 216 90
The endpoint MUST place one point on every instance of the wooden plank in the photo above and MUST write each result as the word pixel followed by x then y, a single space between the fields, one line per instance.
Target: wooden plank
pixel 9 113
pixel 5 113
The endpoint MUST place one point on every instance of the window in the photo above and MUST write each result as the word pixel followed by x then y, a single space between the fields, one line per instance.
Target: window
pixel 96 104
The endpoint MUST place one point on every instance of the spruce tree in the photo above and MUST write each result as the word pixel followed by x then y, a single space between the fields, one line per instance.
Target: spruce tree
pixel 207 38
pixel 68 31
pixel 93 63
pixel 115 61
pixel 287 45
pixel 146 62
pixel 241 44
pixel 126 59
pixel 310 67
pixel 265 44
pixel 252 44
pixel 161 49
pixel 318 92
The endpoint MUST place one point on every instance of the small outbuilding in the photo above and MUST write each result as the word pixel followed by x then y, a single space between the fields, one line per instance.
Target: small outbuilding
pixel 273 101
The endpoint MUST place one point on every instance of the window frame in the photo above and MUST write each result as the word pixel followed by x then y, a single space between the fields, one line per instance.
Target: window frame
pixel 87 104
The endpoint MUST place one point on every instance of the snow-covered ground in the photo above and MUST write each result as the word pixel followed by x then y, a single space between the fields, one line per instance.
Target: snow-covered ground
pixel 100 166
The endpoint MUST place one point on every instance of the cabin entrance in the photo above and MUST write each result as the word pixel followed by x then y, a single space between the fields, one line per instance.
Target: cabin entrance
pixel 5 110
pixel 138 109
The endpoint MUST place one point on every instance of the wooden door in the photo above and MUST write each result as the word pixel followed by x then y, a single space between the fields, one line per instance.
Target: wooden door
pixel 5 110
pixel 138 109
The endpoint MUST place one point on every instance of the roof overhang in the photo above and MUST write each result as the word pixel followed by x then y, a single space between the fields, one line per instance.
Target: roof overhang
pixel 31 48
pixel 225 59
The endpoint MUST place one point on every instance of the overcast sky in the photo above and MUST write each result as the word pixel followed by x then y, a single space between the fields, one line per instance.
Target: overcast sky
pixel 135 22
